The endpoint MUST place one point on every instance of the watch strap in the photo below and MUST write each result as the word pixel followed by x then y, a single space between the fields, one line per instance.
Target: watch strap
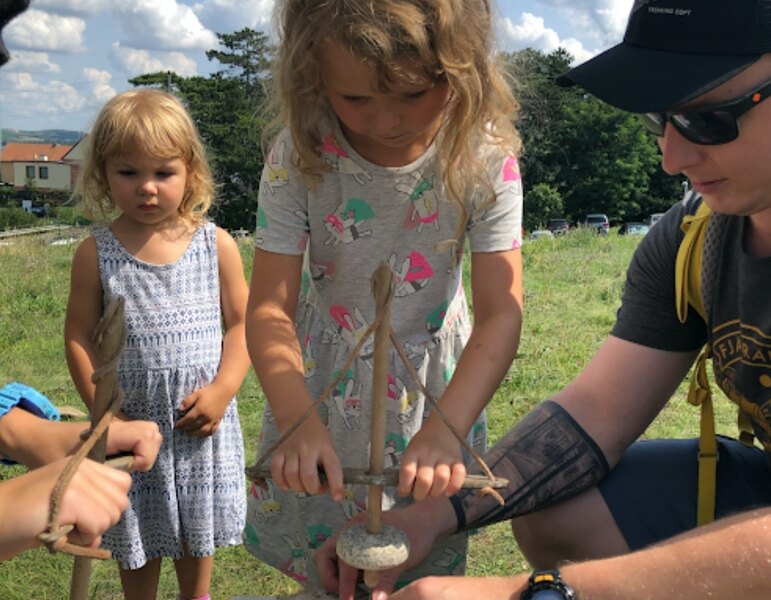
pixel 547 579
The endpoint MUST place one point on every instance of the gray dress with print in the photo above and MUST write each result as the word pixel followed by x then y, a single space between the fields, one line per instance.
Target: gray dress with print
pixel 360 215
pixel 195 493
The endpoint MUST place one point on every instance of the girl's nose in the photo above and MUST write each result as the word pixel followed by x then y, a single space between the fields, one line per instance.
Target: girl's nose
pixel 677 153
pixel 147 186
pixel 387 119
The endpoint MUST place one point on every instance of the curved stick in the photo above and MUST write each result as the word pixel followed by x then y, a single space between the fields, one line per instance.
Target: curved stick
pixel 109 338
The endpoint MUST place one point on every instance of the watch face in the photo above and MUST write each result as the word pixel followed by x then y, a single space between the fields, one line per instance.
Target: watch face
pixel 548 595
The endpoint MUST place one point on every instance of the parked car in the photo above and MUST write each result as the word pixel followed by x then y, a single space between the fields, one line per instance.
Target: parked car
pixel 654 218
pixel 633 228
pixel 540 234
pixel 558 226
pixel 599 222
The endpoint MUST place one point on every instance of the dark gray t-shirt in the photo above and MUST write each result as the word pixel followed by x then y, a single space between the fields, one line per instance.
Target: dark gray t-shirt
pixel 740 314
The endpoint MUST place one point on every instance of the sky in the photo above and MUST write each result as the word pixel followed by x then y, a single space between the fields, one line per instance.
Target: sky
pixel 68 57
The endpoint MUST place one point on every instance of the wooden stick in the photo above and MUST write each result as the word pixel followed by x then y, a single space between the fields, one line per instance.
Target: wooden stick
pixel 109 337
pixel 389 476
pixel 382 290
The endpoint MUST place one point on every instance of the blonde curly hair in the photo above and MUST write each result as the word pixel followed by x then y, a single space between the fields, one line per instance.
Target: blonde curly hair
pixel 148 121
pixel 448 40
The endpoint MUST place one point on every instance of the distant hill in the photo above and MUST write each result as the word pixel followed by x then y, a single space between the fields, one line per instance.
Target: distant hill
pixel 43 136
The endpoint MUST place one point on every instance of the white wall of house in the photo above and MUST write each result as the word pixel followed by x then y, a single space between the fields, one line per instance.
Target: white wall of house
pixel 45 175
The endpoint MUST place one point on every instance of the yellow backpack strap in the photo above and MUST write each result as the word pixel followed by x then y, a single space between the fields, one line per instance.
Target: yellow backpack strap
pixel 688 292
pixel 700 394
pixel 688 263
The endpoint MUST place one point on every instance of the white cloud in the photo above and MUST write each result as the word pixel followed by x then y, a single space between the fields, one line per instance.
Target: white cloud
pixel 72 7
pixel 137 62
pixel 20 82
pixel 603 21
pixel 34 102
pixel 38 30
pixel 162 25
pixel 226 16
pixel 35 62
pixel 100 83
pixel 600 21
pixel 577 50
pixel 530 32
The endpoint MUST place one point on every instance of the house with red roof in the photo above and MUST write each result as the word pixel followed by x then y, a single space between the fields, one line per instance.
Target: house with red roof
pixel 44 167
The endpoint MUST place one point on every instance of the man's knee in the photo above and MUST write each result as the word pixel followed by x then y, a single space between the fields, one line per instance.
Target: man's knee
pixel 537 539
pixel 578 529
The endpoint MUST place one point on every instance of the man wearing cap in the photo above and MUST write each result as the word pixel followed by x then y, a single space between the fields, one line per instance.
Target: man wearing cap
pixel 618 516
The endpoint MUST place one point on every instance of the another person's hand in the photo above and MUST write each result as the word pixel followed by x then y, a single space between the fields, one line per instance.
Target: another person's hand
pixel 432 465
pixel 295 463
pixel 423 523
pixel 203 410
pixel 92 503
pixel 459 588
pixel 140 438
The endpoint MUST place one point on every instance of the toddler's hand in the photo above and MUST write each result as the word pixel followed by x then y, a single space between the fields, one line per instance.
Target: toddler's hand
pixel 432 465
pixel 295 464
pixel 203 410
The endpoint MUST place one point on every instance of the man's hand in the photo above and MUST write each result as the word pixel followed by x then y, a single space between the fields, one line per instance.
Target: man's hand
pixel 460 588
pixel 140 438
pixel 423 523
pixel 92 503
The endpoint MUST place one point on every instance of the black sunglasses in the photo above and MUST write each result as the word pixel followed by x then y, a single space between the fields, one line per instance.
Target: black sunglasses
pixel 707 125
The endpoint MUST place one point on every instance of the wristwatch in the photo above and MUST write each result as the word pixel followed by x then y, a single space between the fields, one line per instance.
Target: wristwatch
pixel 547 585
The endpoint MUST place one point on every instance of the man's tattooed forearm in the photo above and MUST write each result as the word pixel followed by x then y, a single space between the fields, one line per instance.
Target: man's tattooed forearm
pixel 547 457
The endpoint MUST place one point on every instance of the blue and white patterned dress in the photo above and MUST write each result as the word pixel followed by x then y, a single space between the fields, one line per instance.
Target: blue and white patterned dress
pixel 195 494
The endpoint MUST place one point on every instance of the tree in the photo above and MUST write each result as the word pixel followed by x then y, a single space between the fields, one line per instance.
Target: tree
pixel 542 105
pixel 609 160
pixel 247 58
pixel 542 202
pixel 226 109
pixel 598 158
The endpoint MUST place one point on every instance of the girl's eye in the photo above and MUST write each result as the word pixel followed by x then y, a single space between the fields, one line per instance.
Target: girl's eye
pixel 416 95
pixel 354 99
pixel 126 172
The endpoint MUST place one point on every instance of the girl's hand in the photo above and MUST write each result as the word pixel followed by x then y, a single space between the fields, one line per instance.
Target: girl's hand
pixel 295 464
pixel 203 410
pixel 432 465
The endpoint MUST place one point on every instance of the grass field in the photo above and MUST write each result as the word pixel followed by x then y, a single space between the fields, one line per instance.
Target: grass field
pixel 572 290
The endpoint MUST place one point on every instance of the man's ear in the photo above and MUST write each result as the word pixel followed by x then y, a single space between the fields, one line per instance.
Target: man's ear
pixel 8 10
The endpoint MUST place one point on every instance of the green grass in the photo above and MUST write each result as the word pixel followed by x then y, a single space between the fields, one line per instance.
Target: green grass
pixel 572 290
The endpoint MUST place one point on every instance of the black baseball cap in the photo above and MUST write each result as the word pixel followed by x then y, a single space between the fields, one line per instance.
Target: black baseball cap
pixel 676 50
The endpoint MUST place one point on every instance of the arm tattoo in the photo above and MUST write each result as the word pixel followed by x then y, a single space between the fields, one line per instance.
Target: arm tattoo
pixel 547 457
